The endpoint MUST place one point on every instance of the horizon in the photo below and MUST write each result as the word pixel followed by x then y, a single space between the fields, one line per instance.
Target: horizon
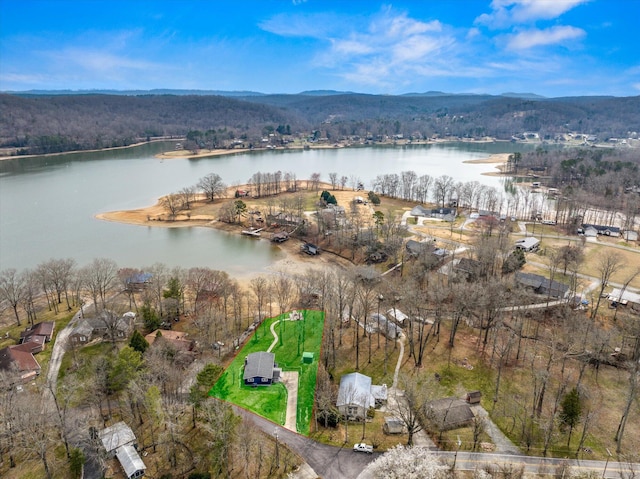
pixel 561 48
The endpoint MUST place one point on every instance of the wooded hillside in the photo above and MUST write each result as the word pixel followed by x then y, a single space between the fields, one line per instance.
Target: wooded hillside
pixel 48 123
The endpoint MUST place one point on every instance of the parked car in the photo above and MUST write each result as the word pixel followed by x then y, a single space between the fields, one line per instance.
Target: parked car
pixel 362 447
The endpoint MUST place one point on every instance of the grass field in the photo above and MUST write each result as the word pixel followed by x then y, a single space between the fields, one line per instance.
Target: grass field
pixel 271 401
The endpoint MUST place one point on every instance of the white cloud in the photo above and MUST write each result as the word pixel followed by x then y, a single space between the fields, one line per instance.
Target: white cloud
pixel 636 86
pixel 509 12
pixel 549 36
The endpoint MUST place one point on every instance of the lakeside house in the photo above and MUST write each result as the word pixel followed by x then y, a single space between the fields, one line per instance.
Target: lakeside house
pixel 449 413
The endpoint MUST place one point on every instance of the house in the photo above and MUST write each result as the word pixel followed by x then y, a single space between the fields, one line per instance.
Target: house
pixel 602 230
pixel 382 324
pixel 625 297
pixel 16 359
pixel 310 249
pixel 397 315
pixel 393 425
pixel 528 244
pixel 468 268
pixel 138 281
pixel 119 441
pixel 81 334
pixel 177 343
pixel 629 235
pixel 110 325
pixel 447 214
pixel 354 396
pixel 449 413
pixel 473 397
pixel 43 329
pixel 541 285
pixel 115 436
pixel 261 369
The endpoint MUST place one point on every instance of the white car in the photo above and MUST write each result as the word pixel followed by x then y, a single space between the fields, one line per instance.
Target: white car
pixel 362 447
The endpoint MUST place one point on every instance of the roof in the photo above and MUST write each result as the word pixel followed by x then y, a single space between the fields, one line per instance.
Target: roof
pixel 117 435
pixel 417 247
pixel 527 243
pixel 259 365
pixel 398 315
pixel 627 295
pixel 84 328
pixel 419 210
pixel 355 389
pixel 449 413
pixel 541 284
pixel 177 339
pixel 139 278
pixel 23 361
pixel 44 328
pixel 130 460
pixel 601 228
pixel 379 392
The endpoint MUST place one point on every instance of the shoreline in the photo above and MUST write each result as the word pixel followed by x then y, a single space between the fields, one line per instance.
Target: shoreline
pixel 185 154
pixel 72 152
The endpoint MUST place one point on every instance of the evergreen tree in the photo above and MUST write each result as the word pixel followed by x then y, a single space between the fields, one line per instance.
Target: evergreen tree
pixel 571 411
pixel 138 342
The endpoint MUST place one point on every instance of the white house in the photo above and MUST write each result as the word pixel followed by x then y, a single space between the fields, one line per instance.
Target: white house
pixel 397 315
pixel 528 244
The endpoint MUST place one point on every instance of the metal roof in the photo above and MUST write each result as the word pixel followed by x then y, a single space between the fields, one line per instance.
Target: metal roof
pixel 259 365
pixel 355 388
pixel 130 461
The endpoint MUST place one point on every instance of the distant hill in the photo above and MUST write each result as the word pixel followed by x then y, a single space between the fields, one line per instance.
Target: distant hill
pixel 136 92
pixel 66 121
pixel 530 96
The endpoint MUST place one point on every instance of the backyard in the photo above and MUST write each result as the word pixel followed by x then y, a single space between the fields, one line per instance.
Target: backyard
pixel 295 338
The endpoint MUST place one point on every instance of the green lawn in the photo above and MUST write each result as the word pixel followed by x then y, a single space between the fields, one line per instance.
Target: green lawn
pixel 271 401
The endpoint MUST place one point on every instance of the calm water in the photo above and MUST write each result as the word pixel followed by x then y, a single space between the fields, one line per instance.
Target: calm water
pixel 47 205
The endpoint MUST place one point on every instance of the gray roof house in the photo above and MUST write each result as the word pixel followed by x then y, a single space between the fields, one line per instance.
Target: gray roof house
pixel 260 369
pixel 354 395
pixel 528 244
pixel 449 413
pixel 541 285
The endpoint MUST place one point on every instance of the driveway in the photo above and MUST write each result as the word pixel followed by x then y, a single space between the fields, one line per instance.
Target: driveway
pixel 328 462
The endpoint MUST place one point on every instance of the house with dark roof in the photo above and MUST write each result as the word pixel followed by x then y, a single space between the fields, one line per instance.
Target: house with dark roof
pixel 602 230
pixel 261 369
pixel 541 285
pixel 44 330
pixel 449 413
pixel 14 359
pixel 468 268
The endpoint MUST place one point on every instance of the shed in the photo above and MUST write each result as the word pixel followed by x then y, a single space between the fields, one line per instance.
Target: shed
pixel 307 357
pixel 130 461
pixel 630 235
pixel 393 425
pixel 310 249
pixel 473 397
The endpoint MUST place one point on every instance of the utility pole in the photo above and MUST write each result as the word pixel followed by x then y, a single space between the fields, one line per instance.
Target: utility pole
pixel 606 463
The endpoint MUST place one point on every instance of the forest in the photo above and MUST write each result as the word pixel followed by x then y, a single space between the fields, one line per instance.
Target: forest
pixel 37 124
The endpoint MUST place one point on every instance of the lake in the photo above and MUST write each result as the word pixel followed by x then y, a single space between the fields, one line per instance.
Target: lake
pixel 48 204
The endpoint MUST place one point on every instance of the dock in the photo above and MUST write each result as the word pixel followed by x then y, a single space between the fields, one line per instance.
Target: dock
pixel 252 232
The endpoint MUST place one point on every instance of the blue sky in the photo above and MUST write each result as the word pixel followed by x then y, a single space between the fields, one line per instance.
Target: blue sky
pixel 548 47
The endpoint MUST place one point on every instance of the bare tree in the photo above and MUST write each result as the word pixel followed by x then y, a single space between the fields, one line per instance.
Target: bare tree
pixel 608 264
pixel 12 290
pixel 634 379
pixel 212 186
